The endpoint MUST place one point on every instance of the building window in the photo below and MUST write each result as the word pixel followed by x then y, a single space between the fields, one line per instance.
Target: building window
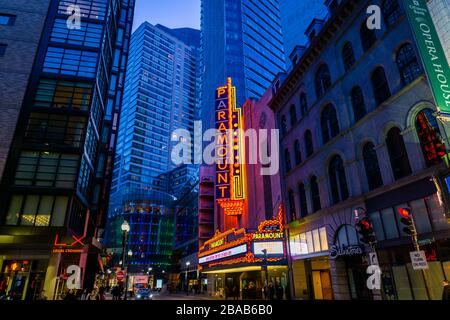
pixel 380 86
pixel 368 37
pixel 298 153
pixel 70 62
pixel 287 159
pixel 7 19
pixel 55 129
pixel 63 95
pixel 46 169
pixel 293 114
pixel 291 200
pixel 303 104
pixel 308 143
pixel 315 194
pixel 348 56
pixel 93 9
pixel 338 181
pixel 89 35
pixel 407 64
pixel 3 49
pixel 397 154
pixel 392 11
pixel 303 204
pixel 433 147
pixel 358 104
pixel 329 123
pixel 85 178
pixel 372 167
pixel 322 80
pixel 283 125
pixel 37 211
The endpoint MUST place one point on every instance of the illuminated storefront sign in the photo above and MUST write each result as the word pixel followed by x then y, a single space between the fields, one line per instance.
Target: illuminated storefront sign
pixel 76 246
pixel 274 248
pixel 431 52
pixel 239 246
pixel 224 254
pixel 230 176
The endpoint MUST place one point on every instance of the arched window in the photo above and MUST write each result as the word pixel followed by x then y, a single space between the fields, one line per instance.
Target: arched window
pixel 298 153
pixel 303 104
pixel 358 104
pixel 292 211
pixel 329 123
pixel 372 167
pixel 338 181
pixel 309 148
pixel 397 154
pixel 380 86
pixel 407 64
pixel 348 56
pixel 287 159
pixel 315 194
pixel 283 125
pixel 392 11
pixel 293 114
pixel 322 80
pixel 303 204
pixel 368 36
pixel 433 147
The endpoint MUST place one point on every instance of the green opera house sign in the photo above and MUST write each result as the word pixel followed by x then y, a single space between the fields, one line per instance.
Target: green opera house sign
pixel 433 56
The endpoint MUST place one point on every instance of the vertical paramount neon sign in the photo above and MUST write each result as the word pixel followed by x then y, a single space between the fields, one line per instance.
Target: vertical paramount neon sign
pixel 230 175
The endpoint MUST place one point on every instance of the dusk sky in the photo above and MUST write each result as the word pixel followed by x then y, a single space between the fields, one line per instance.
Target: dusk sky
pixel 171 13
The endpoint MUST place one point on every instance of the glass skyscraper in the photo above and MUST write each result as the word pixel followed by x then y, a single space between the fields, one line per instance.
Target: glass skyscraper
pixel 160 97
pixel 241 39
pixel 55 184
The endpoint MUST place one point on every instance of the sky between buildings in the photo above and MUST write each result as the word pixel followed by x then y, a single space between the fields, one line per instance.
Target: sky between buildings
pixel 170 13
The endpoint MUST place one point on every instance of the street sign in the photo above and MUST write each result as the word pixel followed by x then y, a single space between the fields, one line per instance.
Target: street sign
pixel 419 260
pixel 120 275
pixel 373 259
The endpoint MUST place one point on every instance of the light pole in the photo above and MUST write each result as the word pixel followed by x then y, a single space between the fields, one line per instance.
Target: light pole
pixel 125 230
pixel 186 277
pixel 265 272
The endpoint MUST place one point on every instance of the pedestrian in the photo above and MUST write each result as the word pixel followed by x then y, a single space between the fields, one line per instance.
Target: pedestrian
pixel 446 291
pixel 271 291
pixel 280 291
pixel 93 295
pixel 101 293
pixel 42 295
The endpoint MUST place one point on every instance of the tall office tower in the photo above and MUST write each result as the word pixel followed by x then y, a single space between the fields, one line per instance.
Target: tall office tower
pixel 61 97
pixel 160 97
pixel 296 16
pixel 241 39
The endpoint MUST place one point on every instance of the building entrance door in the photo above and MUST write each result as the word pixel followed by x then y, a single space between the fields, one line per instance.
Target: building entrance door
pixel 322 285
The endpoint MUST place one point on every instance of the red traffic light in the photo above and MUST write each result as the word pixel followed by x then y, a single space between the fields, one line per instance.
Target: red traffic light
pixel 404 212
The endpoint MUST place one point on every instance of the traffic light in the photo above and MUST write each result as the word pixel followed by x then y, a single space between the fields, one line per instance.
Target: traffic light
pixel 365 229
pixel 406 220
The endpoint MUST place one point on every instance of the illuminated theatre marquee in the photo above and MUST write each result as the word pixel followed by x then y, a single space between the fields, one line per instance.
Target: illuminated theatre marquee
pixel 239 246
pixel 230 176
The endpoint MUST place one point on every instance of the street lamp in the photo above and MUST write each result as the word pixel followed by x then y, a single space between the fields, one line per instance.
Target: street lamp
pixel 125 230
pixel 186 277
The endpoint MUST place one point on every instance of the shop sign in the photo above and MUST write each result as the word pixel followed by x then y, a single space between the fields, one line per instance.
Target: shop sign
pixel 336 251
pixel 268 235
pixel 373 259
pixel 120 276
pixel 431 52
pixel 76 246
pixel 419 260
pixel 224 254
pixel 217 243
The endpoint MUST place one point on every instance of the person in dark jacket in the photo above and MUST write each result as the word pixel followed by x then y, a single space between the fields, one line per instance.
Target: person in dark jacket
pixel 446 291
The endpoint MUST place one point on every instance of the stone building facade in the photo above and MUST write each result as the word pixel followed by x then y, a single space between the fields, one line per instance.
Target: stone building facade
pixel 358 135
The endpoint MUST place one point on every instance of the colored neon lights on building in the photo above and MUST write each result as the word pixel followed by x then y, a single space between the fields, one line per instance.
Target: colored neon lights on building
pixel 230 170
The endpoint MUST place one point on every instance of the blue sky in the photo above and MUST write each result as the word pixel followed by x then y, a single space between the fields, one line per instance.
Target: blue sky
pixel 171 13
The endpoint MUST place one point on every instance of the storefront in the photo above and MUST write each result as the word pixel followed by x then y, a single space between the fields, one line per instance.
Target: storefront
pixel 247 265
